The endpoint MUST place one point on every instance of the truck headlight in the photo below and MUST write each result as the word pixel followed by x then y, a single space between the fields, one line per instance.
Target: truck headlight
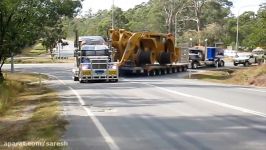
pixel 113 67
pixel 85 66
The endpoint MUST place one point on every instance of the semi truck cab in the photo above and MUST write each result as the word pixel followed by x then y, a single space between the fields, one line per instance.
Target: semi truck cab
pixel 93 62
pixel 210 56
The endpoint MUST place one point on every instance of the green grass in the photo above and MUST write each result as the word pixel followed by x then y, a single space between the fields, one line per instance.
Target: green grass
pixel 31 112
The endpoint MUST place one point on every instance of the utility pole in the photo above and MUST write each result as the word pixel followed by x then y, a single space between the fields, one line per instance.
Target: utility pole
pixel 113 5
pixel 58 46
pixel 237 28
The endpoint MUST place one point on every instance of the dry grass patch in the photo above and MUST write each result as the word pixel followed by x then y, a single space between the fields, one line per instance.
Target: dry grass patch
pixel 255 75
pixel 42 60
pixel 32 113
pixel 35 50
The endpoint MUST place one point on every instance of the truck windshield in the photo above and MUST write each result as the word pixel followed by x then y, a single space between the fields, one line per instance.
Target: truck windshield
pixel 94 52
pixel 92 40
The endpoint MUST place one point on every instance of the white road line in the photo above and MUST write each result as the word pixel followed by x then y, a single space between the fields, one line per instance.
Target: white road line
pixel 108 139
pixel 81 101
pixel 253 90
pixel 210 101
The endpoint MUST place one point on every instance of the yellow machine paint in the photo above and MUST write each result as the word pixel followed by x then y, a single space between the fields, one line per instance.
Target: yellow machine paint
pixel 142 48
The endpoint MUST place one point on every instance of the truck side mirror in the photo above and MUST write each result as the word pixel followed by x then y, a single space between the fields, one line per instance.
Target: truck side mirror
pixel 76 53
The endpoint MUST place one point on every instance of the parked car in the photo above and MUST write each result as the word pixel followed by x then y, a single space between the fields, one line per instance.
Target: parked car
pixel 246 59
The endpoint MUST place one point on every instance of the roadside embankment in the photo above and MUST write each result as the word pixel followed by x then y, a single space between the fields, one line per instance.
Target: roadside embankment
pixel 254 75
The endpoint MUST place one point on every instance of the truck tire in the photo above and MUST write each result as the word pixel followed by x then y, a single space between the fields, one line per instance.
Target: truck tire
pixel 194 65
pixel 81 81
pixel 76 78
pixel 259 62
pixel 165 58
pixel 246 64
pixel 235 64
pixel 221 63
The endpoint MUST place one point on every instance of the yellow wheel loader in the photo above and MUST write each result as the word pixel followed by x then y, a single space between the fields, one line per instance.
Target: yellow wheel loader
pixel 147 52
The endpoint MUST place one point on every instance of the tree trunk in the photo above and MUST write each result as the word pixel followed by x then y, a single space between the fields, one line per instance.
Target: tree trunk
pixel 2 61
pixel 1 75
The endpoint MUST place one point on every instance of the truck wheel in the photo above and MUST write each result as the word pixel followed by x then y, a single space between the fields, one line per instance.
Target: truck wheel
pixel 235 64
pixel 81 81
pixel 147 73
pixel 246 64
pixel 76 78
pixel 259 62
pixel 194 65
pixel 221 63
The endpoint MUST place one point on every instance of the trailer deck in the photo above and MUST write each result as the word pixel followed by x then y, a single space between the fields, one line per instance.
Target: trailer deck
pixel 155 69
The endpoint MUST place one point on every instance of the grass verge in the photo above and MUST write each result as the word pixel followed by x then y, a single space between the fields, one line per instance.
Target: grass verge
pixel 255 75
pixel 34 51
pixel 29 113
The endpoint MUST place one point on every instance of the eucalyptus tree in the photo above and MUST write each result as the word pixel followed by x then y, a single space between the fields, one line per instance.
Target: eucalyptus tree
pixel 22 22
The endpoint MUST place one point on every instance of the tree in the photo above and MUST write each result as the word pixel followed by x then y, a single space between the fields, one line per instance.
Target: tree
pixel 183 17
pixel 213 32
pixel 257 27
pixel 22 22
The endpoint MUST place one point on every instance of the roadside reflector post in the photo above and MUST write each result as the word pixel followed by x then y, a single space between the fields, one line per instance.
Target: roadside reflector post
pixel 189 74
pixel 40 80
pixel 217 64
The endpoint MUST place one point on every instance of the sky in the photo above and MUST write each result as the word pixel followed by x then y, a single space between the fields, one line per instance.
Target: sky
pixel 96 5
pixel 239 5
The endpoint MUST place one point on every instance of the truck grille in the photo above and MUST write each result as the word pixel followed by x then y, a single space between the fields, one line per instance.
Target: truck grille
pixel 99 66
pixel 99 63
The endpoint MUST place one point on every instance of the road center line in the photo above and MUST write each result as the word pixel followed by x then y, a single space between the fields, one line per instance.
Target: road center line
pixel 209 101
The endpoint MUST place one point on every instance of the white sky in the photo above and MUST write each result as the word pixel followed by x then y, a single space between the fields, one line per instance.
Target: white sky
pixel 241 6
pixel 95 5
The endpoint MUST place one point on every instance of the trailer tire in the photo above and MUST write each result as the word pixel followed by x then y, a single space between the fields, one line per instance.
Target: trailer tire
pixel 185 68
pixel 180 69
pixel 114 80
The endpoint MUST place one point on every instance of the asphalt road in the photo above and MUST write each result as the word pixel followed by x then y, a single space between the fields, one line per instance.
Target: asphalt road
pixel 158 113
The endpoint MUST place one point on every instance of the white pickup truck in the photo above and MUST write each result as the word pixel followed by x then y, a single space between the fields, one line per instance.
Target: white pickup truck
pixel 246 59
